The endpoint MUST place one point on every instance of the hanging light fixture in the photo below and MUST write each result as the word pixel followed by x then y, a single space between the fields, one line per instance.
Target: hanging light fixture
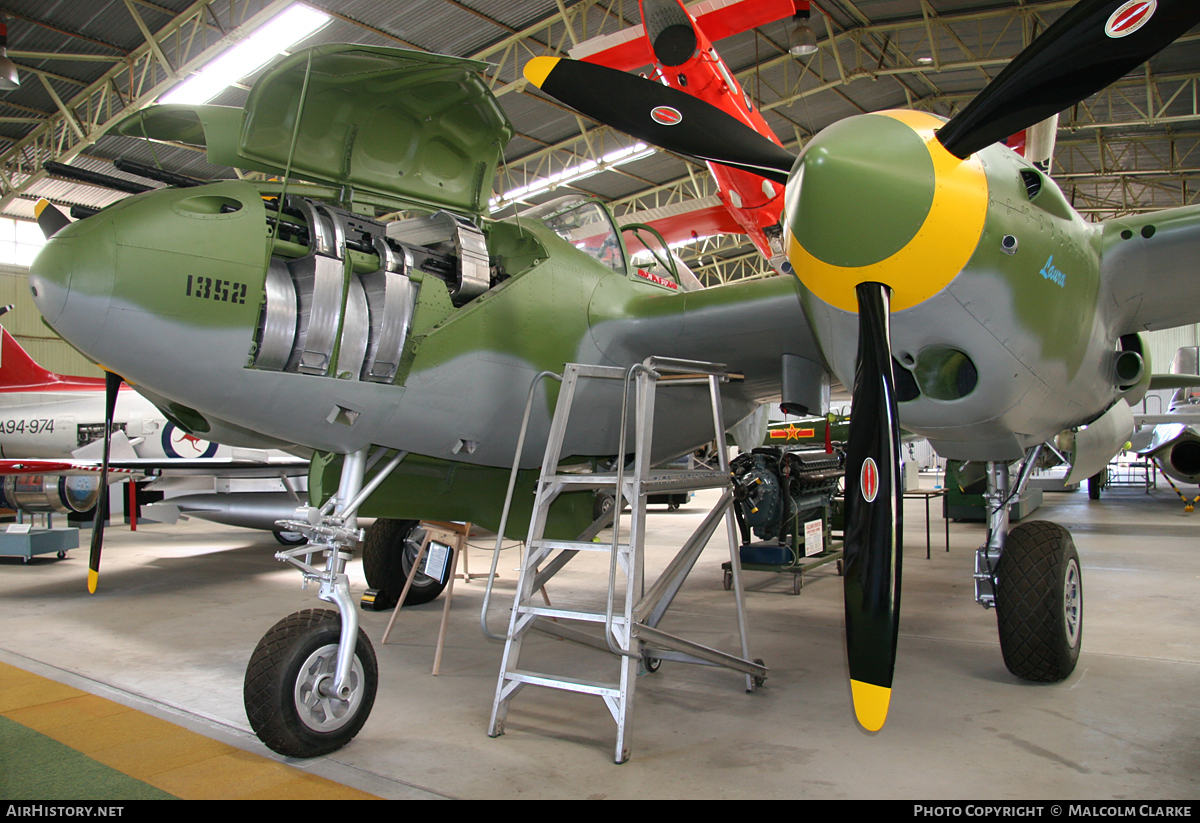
pixel 9 79
pixel 802 40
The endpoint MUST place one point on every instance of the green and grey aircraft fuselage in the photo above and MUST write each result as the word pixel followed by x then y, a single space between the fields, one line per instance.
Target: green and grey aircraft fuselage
pixel 158 266
pixel 999 338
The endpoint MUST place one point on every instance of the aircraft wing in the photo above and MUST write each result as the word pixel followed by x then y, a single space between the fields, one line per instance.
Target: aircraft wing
pixel 687 220
pixel 629 49
pixel 138 468
pixel 1149 268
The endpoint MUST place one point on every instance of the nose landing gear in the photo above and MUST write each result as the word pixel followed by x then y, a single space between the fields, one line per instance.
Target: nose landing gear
pixel 289 690
pixel 311 681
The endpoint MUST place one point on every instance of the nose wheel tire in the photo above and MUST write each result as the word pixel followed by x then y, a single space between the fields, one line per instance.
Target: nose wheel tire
pixel 1039 602
pixel 289 688
pixel 390 548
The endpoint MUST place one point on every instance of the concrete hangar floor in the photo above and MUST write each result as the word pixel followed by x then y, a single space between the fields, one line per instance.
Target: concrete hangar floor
pixel 181 608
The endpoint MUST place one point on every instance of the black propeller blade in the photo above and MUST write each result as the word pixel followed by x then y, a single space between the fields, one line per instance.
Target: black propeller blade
pixel 49 218
pixel 112 384
pixel 659 115
pixel 872 556
pixel 1093 45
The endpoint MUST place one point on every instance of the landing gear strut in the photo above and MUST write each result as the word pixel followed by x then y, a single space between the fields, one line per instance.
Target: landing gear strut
pixel 311 682
pixel 1031 575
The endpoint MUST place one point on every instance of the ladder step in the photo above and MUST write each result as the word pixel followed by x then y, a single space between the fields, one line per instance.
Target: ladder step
pixel 576 545
pixel 569 684
pixel 658 481
pixel 570 614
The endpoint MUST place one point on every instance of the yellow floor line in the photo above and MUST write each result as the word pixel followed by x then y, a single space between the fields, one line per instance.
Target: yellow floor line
pixel 162 754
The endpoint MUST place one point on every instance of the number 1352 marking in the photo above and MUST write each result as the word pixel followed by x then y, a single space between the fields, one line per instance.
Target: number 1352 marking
pixel 206 288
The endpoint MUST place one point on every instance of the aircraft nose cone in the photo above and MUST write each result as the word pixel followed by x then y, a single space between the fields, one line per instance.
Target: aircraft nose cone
pixel 876 198
pixel 71 279
pixel 50 278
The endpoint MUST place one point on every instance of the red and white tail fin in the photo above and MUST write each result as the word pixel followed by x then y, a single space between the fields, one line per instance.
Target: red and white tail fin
pixel 19 371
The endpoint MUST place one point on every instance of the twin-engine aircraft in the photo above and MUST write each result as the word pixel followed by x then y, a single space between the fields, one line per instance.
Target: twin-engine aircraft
pixel 402 351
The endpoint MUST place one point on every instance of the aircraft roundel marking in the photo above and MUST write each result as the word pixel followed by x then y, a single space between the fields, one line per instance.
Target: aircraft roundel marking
pixel 176 443
pixel 868 480
pixel 665 115
pixel 1130 17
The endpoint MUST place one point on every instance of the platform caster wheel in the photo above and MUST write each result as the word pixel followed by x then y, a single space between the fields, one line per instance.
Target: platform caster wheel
pixel 797 583
pixel 1039 602
pixel 651 664
pixel 289 680
pixel 62 555
pixel 390 548
pixel 758 681
pixel 728 581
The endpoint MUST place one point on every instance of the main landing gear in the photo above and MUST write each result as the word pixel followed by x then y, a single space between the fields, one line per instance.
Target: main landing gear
pixel 1031 575
pixel 389 551
pixel 311 682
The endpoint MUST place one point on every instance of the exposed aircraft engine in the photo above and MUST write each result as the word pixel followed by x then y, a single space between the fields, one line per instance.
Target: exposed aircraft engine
pixel 38 493
pixel 303 319
pixel 777 491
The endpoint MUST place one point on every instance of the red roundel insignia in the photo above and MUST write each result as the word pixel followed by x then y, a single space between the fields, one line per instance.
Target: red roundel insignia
pixel 868 480
pixel 665 115
pixel 1129 17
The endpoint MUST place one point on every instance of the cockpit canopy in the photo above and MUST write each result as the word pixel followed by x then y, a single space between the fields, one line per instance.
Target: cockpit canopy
pixel 586 225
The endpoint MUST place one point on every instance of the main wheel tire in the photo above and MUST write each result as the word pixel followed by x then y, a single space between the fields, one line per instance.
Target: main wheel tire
pixel 390 548
pixel 602 503
pixel 285 681
pixel 1039 602
pixel 288 538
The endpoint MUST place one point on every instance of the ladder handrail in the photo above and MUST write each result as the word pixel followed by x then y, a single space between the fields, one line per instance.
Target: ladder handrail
pixel 618 504
pixel 512 483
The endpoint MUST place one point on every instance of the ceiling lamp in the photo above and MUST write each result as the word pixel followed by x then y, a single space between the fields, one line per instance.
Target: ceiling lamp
pixel 9 79
pixel 802 40
pixel 293 25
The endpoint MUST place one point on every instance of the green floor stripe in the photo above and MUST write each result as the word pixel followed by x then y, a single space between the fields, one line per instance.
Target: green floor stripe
pixel 35 767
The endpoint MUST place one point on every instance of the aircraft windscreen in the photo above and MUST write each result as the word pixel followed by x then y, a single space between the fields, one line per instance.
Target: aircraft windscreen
pixel 586 225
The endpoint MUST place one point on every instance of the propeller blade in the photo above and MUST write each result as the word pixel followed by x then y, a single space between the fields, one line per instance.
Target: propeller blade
pixel 112 384
pixel 652 112
pixel 49 218
pixel 1093 45
pixel 871 551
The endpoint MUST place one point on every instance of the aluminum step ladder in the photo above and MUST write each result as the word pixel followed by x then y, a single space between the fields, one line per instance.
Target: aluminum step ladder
pixel 633 611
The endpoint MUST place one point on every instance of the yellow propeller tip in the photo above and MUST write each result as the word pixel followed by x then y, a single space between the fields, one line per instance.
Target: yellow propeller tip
pixel 537 69
pixel 93 579
pixel 40 207
pixel 870 704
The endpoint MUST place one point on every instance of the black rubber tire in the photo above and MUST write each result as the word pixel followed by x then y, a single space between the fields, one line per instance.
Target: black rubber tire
pixel 279 664
pixel 289 538
pixel 1039 602
pixel 1096 483
pixel 602 502
pixel 389 549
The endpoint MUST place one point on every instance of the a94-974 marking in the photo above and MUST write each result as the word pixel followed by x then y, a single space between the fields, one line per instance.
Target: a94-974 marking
pixel 34 426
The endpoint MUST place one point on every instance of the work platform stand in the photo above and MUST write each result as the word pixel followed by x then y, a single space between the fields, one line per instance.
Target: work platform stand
pixel 633 612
